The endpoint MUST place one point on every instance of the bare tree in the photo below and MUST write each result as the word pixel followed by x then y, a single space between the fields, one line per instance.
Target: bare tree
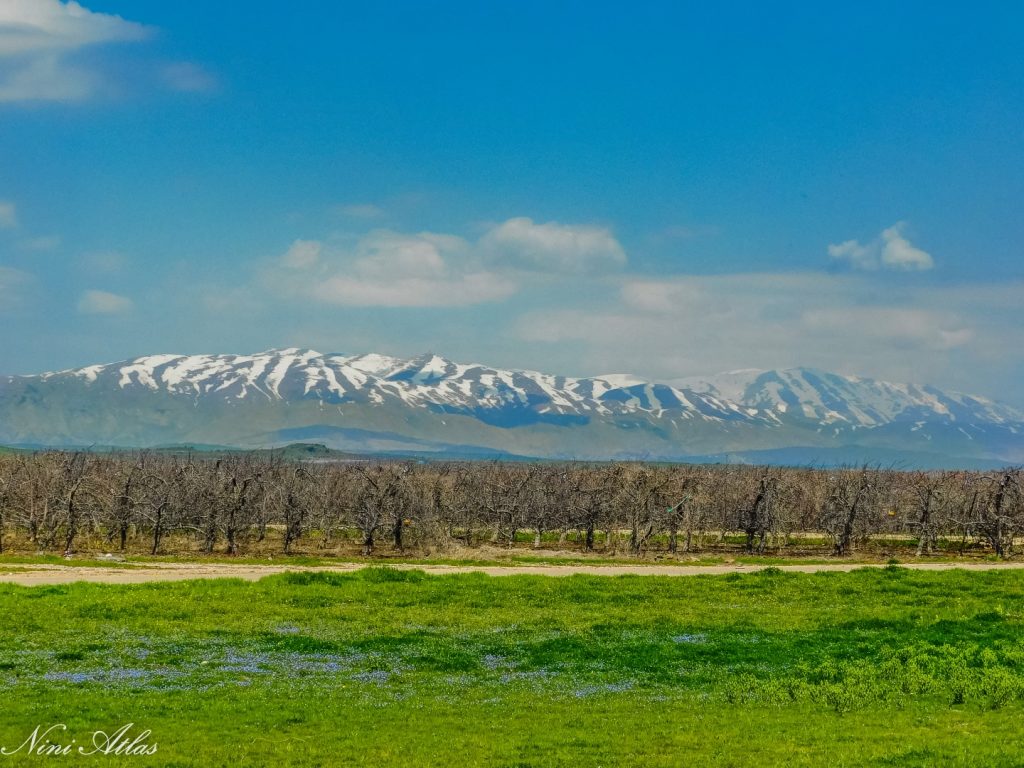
pixel 642 491
pixel 296 486
pixel 997 509
pixel 379 499
pixel 850 501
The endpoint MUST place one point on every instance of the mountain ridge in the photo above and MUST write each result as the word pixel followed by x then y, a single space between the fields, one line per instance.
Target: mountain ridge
pixel 263 399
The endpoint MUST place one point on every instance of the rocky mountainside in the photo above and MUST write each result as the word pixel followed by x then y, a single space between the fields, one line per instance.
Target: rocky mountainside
pixel 428 404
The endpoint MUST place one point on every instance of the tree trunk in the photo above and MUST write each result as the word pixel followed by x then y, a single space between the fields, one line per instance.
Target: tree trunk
pixel 210 538
pixel 72 524
pixel 924 537
pixel 397 533
pixel 157 532
pixel 230 533
pixel 843 545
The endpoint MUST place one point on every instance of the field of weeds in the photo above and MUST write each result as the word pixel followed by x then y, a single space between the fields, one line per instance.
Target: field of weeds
pixel 382 667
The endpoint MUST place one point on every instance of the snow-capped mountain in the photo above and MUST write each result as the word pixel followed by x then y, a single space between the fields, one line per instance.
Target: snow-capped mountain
pixel 830 398
pixel 428 404
pixel 426 381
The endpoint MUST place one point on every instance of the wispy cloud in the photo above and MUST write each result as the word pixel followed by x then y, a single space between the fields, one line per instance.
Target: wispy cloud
pixel 891 250
pixel 8 215
pixel 302 254
pixel 40 243
pixel 359 210
pixel 12 283
pixel 448 291
pixel 188 77
pixel 94 302
pixel 890 327
pixel 46 78
pixel 105 262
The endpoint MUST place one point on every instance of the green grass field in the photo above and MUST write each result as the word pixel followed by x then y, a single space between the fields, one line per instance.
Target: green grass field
pixel 878 667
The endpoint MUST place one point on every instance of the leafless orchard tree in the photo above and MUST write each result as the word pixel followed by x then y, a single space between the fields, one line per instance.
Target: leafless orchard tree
pixel 760 516
pixel 294 494
pixel 642 491
pixel 588 500
pixel 504 493
pixel 997 509
pixel 80 497
pixel 852 501
pixel 381 498
pixel 927 497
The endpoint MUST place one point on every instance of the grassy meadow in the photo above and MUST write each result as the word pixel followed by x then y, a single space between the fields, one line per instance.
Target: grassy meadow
pixel 881 667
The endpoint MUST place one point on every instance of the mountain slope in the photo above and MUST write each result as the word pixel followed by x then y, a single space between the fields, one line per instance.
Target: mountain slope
pixel 429 404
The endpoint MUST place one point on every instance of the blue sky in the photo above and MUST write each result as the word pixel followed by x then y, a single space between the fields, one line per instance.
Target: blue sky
pixel 670 189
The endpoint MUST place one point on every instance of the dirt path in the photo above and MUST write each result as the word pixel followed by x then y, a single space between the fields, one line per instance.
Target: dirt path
pixel 36 575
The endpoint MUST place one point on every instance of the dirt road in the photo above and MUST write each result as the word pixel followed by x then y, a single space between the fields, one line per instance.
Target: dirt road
pixel 36 575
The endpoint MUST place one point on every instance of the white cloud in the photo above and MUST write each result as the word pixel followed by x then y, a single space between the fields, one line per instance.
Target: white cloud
pixel 856 255
pixel 29 26
pixel 387 255
pixel 430 269
pixel 389 269
pixel 37 39
pixel 898 253
pixel 8 215
pixel 891 250
pixel 552 247
pixel 93 302
pixel 188 77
